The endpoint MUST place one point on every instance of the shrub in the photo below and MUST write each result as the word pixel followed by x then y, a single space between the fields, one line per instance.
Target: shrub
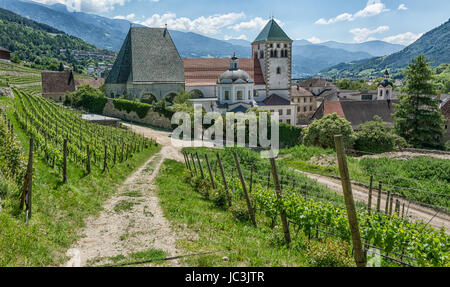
pixel 376 137
pixel 240 211
pixel 87 97
pixel 141 109
pixel 290 135
pixel 321 132
pixel 219 198
pixel 330 253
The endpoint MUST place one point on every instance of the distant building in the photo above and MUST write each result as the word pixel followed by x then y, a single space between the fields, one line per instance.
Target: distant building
pixel 358 112
pixel 56 84
pixel 445 109
pixel 148 64
pixel 5 55
pixel 305 102
pixel 385 88
pixel 317 86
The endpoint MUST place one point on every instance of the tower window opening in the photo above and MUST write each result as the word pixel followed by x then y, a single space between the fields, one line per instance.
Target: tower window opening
pixel 278 70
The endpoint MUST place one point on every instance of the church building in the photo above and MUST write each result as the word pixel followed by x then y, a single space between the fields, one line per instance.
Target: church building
pixel 149 65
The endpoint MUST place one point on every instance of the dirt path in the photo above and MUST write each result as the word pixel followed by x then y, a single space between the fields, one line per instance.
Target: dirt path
pixel 415 211
pixel 132 220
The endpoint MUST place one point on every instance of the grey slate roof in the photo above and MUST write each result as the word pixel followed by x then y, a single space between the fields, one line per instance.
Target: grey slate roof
pixel 272 32
pixel 147 55
pixel 239 109
pixel 275 100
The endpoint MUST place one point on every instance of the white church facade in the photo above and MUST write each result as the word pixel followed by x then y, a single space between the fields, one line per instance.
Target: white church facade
pixel 263 81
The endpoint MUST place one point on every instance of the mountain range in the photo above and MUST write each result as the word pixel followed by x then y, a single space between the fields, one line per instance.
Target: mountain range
pixel 105 33
pixel 435 45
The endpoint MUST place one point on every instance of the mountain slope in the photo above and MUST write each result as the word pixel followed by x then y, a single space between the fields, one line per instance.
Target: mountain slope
pixel 311 59
pixel 38 43
pixel 107 33
pixel 375 48
pixel 435 45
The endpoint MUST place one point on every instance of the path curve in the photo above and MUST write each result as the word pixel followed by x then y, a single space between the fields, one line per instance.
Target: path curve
pixel 416 212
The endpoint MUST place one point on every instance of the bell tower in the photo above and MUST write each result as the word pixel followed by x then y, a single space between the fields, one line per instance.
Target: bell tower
pixel 273 49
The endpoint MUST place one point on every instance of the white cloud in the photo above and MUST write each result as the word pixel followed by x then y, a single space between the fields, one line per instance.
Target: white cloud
pixel 314 40
pixel 241 37
pixel 403 39
pixel 257 23
pixel 373 7
pixel 87 5
pixel 128 17
pixel 362 34
pixel 402 7
pixel 205 25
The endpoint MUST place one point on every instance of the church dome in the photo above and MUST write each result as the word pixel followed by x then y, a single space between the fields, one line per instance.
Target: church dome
pixel 235 77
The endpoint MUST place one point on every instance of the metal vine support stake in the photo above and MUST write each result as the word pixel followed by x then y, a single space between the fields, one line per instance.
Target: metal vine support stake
pixel 219 161
pixel 360 258
pixel 193 163
pixel 284 222
pixel 244 188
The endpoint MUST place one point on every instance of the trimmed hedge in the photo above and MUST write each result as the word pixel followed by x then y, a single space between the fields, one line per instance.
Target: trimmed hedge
pixel 141 109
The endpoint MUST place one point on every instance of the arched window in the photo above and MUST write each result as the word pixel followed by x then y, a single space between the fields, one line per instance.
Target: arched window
pixel 278 70
pixel 261 54
pixel 239 95
pixel 197 94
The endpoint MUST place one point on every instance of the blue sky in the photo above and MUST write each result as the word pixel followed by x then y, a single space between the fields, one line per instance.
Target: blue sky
pixel 395 21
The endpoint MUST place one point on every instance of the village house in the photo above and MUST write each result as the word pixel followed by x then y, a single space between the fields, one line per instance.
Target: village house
pixel 56 84
pixel 445 109
pixel 358 112
pixel 5 55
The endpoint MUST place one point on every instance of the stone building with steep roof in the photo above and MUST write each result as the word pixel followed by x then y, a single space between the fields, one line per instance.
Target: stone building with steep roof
pixel 56 84
pixel 445 109
pixel 5 55
pixel 148 65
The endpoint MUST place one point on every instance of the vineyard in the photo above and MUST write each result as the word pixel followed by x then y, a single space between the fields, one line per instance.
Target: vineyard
pixel 311 210
pixel 73 166
pixel 422 179
pixel 55 129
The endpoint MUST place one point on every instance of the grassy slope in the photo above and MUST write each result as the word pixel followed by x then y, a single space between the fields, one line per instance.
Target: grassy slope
pixel 58 210
pixel 208 228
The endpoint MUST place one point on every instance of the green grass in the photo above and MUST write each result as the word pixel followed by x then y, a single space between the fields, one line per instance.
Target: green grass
pixel 206 228
pixel 58 210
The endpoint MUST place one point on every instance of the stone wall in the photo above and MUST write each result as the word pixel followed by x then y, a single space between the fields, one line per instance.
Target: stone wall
pixel 152 118
pixel 6 92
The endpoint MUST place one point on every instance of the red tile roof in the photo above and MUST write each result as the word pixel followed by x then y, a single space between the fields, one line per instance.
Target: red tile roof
pixel 206 71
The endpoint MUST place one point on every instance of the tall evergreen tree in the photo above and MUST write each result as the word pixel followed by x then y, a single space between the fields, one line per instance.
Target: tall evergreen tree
pixel 418 118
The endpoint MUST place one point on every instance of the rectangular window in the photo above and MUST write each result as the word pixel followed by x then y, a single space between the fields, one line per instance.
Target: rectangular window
pixel 227 95
pixel 289 121
pixel 280 112
pixel 304 100
pixel 288 112
pixel 310 100
pixel 310 108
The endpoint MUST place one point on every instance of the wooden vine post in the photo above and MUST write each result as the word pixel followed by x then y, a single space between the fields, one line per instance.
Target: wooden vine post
pixel 65 161
pixel 360 257
pixel 244 188
pixel 193 163
pixel 386 209
pixel 27 188
pixel 284 222
pixel 88 161
pixel 210 172
pixel 105 159
pixel 219 161
pixel 380 186
pixel 200 165
pixel 369 204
